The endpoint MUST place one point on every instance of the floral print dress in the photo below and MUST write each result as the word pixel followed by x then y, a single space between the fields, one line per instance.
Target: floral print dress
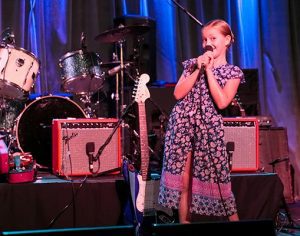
pixel 196 126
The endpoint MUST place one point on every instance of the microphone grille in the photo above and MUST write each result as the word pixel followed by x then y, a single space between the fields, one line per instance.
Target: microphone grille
pixel 90 147
pixel 230 146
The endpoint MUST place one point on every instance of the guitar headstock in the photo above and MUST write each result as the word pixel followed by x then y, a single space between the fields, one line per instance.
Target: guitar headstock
pixel 141 92
pixel 236 101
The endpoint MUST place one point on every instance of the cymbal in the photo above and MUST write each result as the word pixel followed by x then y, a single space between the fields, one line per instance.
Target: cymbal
pixel 112 64
pixel 117 34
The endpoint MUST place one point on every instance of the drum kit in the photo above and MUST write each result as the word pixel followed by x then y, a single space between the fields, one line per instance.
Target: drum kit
pixel 27 128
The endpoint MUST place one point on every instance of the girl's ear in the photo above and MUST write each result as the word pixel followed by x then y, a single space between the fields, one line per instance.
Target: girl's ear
pixel 227 40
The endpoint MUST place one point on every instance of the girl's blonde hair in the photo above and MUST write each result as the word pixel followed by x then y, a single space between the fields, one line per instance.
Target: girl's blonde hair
pixel 224 28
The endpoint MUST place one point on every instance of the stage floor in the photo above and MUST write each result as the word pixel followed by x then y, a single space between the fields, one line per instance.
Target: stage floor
pixel 53 202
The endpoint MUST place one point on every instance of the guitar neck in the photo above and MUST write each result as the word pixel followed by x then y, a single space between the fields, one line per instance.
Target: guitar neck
pixel 143 141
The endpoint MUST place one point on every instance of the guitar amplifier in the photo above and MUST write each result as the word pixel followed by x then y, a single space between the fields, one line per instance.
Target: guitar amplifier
pixel 244 133
pixel 70 138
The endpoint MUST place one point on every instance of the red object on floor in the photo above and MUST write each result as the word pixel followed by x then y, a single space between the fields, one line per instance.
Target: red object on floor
pixel 3 158
pixel 21 177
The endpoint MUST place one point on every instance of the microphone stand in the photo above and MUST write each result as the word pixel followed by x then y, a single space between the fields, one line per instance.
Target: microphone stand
pixel 189 14
pixel 160 109
pixel 107 141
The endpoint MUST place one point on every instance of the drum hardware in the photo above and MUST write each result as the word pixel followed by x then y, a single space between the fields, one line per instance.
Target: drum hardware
pixel 121 33
pixel 82 42
pixel 86 100
pixel 20 62
pixel 116 36
pixel 113 64
pixel 9 110
pixel 8 36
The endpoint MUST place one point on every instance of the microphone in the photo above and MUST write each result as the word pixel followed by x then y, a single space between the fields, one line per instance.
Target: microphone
pixel 116 69
pixel 230 149
pixel 90 149
pixel 207 48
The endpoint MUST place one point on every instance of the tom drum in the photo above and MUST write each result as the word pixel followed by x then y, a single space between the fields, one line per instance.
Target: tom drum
pixel 18 71
pixel 81 72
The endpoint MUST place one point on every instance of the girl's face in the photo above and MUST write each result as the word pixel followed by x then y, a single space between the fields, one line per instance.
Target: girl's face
pixel 213 37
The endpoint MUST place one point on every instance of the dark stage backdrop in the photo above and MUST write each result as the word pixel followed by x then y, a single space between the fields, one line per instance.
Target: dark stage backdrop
pixel 267 38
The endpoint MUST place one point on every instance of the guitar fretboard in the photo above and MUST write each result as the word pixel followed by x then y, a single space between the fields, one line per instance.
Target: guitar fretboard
pixel 143 141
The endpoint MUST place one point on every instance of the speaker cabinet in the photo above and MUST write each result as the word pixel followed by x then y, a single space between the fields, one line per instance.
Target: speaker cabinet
pixel 274 156
pixel 244 133
pixel 69 151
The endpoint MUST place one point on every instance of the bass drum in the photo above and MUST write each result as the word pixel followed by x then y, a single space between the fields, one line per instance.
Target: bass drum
pixel 33 127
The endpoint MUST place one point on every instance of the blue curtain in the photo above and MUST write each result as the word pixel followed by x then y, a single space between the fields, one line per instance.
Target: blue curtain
pixel 267 38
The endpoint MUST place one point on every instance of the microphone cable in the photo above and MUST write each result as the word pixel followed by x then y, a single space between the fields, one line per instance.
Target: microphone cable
pixel 210 155
pixel 66 139
pixel 72 202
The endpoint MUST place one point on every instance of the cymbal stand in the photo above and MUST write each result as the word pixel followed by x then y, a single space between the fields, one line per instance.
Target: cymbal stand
pixel 116 95
pixel 120 94
pixel 121 89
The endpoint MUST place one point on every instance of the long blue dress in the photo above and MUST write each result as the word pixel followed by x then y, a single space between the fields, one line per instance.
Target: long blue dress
pixel 195 125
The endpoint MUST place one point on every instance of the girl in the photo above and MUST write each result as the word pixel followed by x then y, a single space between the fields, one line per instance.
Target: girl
pixel 196 176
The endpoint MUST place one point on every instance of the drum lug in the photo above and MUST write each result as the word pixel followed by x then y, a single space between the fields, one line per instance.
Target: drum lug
pixel 20 62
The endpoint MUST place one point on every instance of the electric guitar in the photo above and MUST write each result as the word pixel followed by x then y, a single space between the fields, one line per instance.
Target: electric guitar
pixel 140 96
pixel 137 178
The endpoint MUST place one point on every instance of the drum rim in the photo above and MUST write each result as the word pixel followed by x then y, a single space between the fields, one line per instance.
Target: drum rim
pixel 80 51
pixel 17 120
pixel 12 84
pixel 71 53
pixel 69 81
pixel 53 96
pixel 23 50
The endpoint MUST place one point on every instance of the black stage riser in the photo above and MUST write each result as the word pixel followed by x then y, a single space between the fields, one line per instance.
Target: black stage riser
pixel 245 228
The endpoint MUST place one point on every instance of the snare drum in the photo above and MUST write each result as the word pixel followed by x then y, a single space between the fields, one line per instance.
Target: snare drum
pixel 81 72
pixel 19 70
pixel 33 126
